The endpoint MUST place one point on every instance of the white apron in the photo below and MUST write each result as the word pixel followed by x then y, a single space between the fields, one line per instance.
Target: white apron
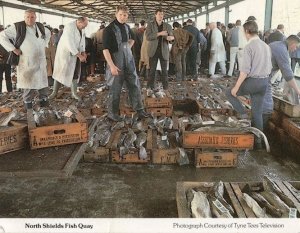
pixel 32 68
pixel 218 46
pixel 70 44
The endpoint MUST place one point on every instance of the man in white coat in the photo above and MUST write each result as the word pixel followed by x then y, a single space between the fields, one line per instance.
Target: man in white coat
pixel 31 68
pixel 69 54
pixel 217 51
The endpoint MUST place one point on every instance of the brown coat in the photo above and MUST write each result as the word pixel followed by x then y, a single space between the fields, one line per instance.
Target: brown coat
pixel 183 40
pixel 144 53
pixel 50 56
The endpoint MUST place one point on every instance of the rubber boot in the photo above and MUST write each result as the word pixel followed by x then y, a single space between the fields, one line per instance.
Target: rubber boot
pixel 8 84
pixel 55 90
pixel 74 90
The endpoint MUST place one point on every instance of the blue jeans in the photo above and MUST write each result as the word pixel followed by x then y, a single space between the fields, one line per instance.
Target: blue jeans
pixel 256 88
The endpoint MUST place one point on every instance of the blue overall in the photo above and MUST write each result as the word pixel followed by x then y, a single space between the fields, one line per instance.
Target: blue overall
pixel 124 60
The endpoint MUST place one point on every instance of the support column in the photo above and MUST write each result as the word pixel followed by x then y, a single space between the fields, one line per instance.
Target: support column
pixel 3 22
pixel 227 14
pixel 268 14
pixel 207 14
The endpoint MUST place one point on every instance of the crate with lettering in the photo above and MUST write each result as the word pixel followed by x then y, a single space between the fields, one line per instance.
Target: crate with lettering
pixel 162 155
pixel 13 137
pixel 212 158
pixel 220 138
pixel 57 135
pixel 236 199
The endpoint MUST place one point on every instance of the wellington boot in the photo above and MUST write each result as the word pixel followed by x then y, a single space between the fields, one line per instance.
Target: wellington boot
pixel 74 90
pixel 55 90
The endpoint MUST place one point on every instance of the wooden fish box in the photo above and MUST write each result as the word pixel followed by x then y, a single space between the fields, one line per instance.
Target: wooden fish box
pixel 215 159
pixel 277 117
pixel 276 102
pixel 233 194
pixel 161 111
pixel 126 111
pixel 133 155
pixel 292 127
pixel 219 140
pixel 5 109
pixel 100 155
pixel 86 112
pixel 98 111
pixel 163 156
pixel 56 135
pixel 165 102
pixel 289 109
pixel 14 137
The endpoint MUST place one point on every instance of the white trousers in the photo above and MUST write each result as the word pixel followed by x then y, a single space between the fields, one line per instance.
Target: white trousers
pixel 212 67
pixel 233 55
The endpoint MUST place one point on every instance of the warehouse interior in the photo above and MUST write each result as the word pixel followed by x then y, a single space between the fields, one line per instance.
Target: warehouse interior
pixel 79 179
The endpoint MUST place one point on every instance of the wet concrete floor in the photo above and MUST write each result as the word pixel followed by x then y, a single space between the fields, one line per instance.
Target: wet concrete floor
pixel 110 190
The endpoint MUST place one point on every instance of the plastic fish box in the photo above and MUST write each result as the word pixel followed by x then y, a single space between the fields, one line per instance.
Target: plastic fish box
pixel 225 158
pixel 57 135
pixel 161 111
pixel 100 155
pixel 14 137
pixel 218 140
pixel 233 194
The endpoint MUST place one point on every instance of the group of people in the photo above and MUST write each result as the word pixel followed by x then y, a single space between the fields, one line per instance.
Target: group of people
pixel 128 52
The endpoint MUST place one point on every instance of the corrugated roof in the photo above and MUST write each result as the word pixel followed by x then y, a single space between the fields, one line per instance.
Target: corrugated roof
pixel 105 9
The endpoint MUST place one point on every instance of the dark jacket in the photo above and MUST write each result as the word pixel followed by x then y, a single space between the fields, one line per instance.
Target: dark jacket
pixel 151 36
pixel 276 36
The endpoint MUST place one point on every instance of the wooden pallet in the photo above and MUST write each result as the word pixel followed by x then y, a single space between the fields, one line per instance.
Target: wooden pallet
pixel 233 195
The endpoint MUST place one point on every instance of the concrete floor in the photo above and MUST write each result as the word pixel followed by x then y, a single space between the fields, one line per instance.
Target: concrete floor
pixel 110 190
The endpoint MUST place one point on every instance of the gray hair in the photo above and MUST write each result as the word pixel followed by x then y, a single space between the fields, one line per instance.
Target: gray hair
pixel 30 11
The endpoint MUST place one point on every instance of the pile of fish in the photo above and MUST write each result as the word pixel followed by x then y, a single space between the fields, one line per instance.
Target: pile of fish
pixel 160 93
pixel 51 116
pixel 267 201
pixel 5 118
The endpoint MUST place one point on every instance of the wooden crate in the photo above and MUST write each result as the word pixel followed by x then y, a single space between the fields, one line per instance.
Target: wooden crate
pixel 163 156
pixel 277 102
pixel 100 155
pixel 98 111
pixel 289 109
pixel 14 137
pixel 133 155
pixel 219 140
pixel 56 135
pixel 165 102
pixel 232 194
pixel 127 111
pixel 292 127
pixel 161 111
pixel 5 109
pixel 86 112
pixel 215 159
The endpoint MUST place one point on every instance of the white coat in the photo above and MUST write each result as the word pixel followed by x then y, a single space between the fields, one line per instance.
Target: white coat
pixel 69 45
pixel 32 68
pixel 218 52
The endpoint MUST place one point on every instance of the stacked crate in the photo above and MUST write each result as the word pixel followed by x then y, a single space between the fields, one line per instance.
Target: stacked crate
pixel 159 106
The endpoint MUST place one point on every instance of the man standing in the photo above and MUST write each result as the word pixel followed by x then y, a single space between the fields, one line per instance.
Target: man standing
pixel 217 50
pixel 4 68
pixel 280 61
pixel 278 35
pixel 158 33
pixel 233 40
pixel 117 43
pixel 70 52
pixel 191 56
pixel 98 44
pixel 29 46
pixel 183 40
